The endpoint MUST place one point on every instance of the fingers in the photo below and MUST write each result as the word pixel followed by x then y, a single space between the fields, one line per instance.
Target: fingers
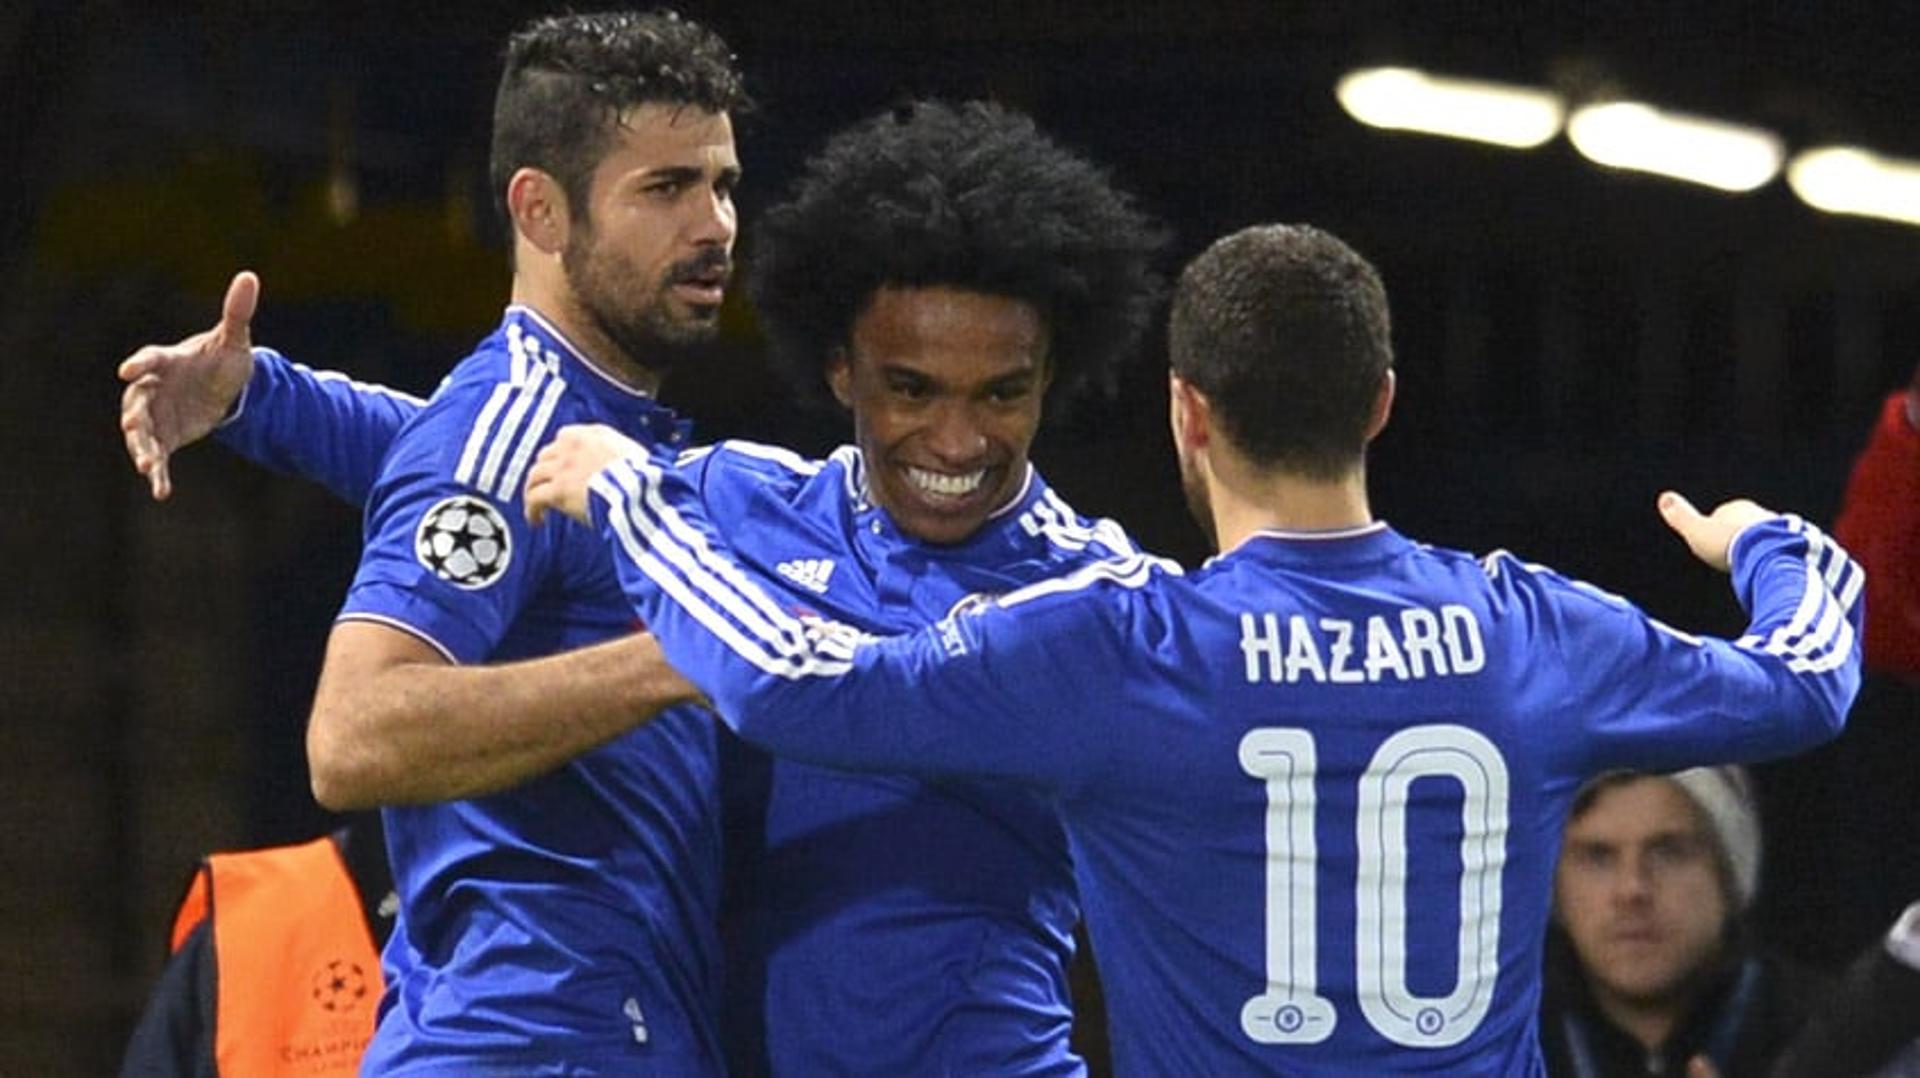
pixel 1711 536
pixel 1677 511
pixel 142 363
pixel 1700 533
pixel 535 500
pixel 149 456
pixel 159 479
pixel 236 311
pixel 558 480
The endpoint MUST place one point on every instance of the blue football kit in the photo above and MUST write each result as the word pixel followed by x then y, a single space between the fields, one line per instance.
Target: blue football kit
pixel 882 923
pixel 1314 790
pixel 565 925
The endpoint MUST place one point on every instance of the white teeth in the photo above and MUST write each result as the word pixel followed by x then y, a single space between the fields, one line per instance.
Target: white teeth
pixel 951 486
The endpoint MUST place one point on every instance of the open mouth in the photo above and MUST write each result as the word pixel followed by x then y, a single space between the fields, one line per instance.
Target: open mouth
pixel 704 284
pixel 942 486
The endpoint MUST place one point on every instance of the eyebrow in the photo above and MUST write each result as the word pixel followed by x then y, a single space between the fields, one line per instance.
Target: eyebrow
pixel 680 173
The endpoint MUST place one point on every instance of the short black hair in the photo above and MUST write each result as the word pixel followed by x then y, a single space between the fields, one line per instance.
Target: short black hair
pixel 970 196
pixel 1285 329
pixel 568 80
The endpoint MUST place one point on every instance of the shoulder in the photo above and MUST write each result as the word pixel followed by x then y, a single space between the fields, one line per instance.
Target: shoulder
pixel 483 425
pixel 1068 535
pixel 753 460
pixel 743 470
pixel 1548 601
pixel 1099 588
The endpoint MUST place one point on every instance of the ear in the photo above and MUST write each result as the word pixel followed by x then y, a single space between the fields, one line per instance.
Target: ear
pixel 840 376
pixel 1190 414
pixel 538 206
pixel 1382 407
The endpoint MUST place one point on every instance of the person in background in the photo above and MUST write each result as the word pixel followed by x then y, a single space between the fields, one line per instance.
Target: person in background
pixel 273 968
pixel 1652 967
pixel 1879 523
pixel 1650 963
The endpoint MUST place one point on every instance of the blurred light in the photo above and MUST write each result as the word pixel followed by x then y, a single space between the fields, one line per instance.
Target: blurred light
pixel 1629 135
pixel 1843 179
pixel 1404 99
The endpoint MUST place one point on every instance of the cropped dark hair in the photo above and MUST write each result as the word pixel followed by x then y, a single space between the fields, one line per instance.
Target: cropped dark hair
pixel 1285 329
pixel 569 78
pixel 970 196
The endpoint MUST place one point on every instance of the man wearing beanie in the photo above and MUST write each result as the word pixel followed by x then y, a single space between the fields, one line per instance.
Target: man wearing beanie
pixel 1650 965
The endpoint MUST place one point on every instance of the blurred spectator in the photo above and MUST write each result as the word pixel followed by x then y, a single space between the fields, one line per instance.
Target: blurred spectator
pixel 1879 524
pixel 1651 966
pixel 275 966
pixel 1650 963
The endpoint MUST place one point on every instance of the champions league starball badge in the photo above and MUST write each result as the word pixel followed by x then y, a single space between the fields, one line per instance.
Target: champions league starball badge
pixel 465 541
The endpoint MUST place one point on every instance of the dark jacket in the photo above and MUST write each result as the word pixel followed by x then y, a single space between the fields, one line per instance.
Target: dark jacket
pixel 1748 1016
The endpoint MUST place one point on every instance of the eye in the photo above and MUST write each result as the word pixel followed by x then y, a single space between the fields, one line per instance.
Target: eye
pixel 1673 851
pixel 1589 857
pixel 665 189
pixel 1011 392
pixel 909 389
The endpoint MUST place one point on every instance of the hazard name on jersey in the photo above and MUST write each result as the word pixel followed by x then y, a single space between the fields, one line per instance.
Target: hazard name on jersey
pixel 1415 642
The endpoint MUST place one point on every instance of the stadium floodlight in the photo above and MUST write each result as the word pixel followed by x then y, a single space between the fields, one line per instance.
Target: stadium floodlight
pixel 1405 99
pixel 1642 138
pixel 1847 179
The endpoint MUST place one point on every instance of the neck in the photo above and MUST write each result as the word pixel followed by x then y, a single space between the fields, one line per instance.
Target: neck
pixel 1255 501
pixel 557 303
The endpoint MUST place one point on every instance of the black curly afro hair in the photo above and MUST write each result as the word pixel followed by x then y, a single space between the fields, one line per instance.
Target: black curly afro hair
pixel 970 196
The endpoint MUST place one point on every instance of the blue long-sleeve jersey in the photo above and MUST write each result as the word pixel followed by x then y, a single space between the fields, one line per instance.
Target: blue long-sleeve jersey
pixel 880 923
pixel 565 925
pixel 1314 790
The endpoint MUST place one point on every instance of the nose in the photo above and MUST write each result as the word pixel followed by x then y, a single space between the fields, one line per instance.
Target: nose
pixel 1633 882
pixel 955 434
pixel 717 223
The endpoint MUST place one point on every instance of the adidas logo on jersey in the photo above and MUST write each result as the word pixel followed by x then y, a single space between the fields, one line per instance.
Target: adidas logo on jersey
pixel 809 573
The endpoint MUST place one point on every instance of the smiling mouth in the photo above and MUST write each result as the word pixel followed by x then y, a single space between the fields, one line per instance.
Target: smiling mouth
pixel 941 486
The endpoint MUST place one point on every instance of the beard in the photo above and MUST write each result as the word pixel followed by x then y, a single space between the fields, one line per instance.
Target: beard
pixel 636 314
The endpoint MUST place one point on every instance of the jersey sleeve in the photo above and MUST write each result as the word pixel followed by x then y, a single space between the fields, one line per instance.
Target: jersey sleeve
pixel 1880 523
pixel 449 555
pixel 1645 696
pixel 990 694
pixel 317 425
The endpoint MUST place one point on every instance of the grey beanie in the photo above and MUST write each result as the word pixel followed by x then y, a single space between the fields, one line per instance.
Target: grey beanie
pixel 1725 798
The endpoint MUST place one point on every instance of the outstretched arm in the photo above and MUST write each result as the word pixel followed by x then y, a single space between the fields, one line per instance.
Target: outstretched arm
pixel 954 699
pixel 1649 697
pixel 317 425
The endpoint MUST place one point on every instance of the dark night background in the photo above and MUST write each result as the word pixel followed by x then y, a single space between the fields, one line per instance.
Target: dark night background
pixel 1570 341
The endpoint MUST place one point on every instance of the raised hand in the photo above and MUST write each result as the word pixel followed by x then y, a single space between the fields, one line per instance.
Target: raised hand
pixel 177 393
pixel 1711 536
pixel 561 473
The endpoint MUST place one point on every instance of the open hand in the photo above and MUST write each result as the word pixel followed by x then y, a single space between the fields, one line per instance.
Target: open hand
pixel 177 393
pixel 1710 537
pixel 564 469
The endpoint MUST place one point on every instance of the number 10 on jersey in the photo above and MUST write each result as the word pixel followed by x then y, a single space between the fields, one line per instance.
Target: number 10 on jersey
pixel 1291 1010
